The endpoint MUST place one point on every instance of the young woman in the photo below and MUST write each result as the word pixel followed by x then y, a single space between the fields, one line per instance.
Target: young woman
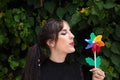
pixel 58 39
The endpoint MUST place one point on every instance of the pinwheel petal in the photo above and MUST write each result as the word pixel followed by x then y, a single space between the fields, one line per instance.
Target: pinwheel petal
pixel 100 43
pixel 98 38
pixel 88 41
pixel 89 46
pixel 92 36
pixel 96 47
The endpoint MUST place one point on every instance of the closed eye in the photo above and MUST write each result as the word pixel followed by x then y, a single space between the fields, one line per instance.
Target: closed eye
pixel 64 32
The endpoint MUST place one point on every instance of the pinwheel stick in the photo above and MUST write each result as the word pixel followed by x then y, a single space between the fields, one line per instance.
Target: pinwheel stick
pixel 95 59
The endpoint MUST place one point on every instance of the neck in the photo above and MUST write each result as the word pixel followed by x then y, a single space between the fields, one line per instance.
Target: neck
pixel 57 57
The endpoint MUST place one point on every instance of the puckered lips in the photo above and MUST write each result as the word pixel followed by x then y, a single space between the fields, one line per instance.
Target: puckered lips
pixel 72 43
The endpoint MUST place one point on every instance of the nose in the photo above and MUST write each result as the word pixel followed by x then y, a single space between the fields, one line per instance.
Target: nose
pixel 71 35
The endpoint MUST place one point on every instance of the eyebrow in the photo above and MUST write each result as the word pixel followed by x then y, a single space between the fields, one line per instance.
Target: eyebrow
pixel 64 29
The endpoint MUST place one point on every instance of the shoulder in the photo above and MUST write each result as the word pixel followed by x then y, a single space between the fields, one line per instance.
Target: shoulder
pixel 76 66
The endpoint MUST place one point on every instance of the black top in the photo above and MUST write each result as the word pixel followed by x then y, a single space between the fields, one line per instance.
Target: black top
pixel 60 71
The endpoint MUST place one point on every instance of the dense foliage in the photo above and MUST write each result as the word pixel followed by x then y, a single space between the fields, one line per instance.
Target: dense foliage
pixel 21 20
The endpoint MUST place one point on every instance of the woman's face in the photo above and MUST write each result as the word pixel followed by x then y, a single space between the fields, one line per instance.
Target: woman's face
pixel 65 42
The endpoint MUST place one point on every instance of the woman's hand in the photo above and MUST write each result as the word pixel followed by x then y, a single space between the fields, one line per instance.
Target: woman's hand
pixel 98 74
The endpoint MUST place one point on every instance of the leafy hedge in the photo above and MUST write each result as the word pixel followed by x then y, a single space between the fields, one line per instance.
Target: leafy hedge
pixel 21 20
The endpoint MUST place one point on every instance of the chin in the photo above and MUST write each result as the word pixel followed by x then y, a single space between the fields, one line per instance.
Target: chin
pixel 72 50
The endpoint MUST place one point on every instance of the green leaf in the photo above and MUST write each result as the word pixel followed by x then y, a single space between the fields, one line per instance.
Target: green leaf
pixel 24 46
pixel 2 38
pixel 87 11
pixel 18 78
pixel 94 10
pixel 99 30
pixel 109 4
pixel 23 16
pixel 108 76
pixel 107 44
pixel 18 40
pixel 71 9
pixel 89 3
pixel 107 52
pixel 17 18
pixel 14 64
pixel 60 12
pixel 4 70
pixel 25 32
pixel 117 8
pixel 22 63
pixel 94 19
pixel 50 6
pixel 75 19
pixel 115 60
pixel 31 21
pixel 117 68
pixel 115 47
pixel 90 61
pixel 104 63
pixel 99 4
pixel 112 72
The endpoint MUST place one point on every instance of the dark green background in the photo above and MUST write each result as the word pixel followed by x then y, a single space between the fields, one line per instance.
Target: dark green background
pixel 21 20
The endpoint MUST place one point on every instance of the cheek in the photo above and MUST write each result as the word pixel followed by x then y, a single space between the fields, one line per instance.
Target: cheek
pixel 62 41
pixel 63 45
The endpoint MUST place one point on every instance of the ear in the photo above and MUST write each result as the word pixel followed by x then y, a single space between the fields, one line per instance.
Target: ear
pixel 50 43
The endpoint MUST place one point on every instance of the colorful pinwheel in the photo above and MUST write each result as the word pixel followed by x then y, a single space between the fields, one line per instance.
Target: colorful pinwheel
pixel 95 43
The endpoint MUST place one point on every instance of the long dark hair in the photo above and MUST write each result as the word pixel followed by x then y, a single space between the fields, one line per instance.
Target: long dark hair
pixel 36 57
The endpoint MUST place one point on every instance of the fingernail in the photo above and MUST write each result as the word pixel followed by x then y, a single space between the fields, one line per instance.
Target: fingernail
pixel 90 70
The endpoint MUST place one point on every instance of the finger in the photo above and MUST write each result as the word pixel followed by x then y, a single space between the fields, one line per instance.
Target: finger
pixel 96 76
pixel 98 71
pixel 94 69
